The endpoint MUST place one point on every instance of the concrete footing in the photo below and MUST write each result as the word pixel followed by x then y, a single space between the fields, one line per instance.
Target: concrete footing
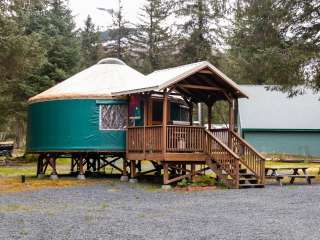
pixel 54 177
pixel 81 177
pixel 166 187
pixel 124 178
pixel 40 176
pixel 133 180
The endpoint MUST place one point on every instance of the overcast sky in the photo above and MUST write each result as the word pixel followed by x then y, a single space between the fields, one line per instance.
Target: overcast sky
pixel 82 8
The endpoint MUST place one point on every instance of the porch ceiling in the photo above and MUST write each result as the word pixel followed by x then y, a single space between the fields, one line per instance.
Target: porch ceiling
pixel 204 86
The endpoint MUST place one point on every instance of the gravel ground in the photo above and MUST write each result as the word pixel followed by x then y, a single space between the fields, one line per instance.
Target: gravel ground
pixel 124 211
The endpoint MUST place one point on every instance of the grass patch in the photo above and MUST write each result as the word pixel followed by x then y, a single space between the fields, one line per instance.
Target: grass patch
pixel 277 156
pixel 199 181
pixel 104 205
pixel 14 207
pixel 13 184
pixel 313 168
pixel 29 169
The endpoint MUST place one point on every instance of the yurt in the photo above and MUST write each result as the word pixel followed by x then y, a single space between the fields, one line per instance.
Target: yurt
pixel 79 117
pixel 79 113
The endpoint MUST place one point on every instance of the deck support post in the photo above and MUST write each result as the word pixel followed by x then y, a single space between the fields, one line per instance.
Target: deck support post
pixel 52 162
pixel 184 169
pixel 81 171
pixel 124 177
pixel 165 173
pixel 133 171
pixel 72 165
pixel 40 166
pixel 193 171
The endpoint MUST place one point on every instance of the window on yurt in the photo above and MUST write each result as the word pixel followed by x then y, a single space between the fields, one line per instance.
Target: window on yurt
pixel 179 112
pixel 113 117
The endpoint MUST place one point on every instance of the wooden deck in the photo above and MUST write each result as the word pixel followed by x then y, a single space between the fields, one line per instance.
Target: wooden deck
pixel 182 143
pixel 224 151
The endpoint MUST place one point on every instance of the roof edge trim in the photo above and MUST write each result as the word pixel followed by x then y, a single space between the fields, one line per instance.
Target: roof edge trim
pixel 279 130
pixel 75 97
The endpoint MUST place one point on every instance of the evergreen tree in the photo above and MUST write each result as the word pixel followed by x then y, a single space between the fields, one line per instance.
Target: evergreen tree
pixel 152 40
pixel 259 53
pixel 90 44
pixel 38 47
pixel 63 45
pixel 202 32
pixel 301 26
pixel 21 55
pixel 119 33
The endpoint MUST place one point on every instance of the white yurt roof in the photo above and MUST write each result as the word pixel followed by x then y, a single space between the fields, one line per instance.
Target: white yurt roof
pixel 97 81
pixel 111 77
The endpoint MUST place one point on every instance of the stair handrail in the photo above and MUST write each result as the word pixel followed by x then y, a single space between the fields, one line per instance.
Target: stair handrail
pixel 234 165
pixel 222 144
pixel 257 169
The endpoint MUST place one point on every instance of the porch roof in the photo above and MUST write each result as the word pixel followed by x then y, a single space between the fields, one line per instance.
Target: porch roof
pixel 209 80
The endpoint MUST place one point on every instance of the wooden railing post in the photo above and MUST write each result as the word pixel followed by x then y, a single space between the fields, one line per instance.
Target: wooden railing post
pixel 190 114
pixel 209 105
pixel 145 122
pixel 231 122
pixel 164 121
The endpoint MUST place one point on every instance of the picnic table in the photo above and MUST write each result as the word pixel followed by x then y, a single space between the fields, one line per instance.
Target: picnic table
pixel 6 148
pixel 277 173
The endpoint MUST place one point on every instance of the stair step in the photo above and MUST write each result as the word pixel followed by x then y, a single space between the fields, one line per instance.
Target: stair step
pixel 248 185
pixel 243 170
pixel 247 181
pixel 246 175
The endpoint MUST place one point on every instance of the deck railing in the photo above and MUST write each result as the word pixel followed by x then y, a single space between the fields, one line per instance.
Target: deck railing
pixel 252 159
pixel 153 138
pixel 222 134
pixel 220 152
pixel 144 139
pixel 135 139
pixel 223 145
pixel 185 138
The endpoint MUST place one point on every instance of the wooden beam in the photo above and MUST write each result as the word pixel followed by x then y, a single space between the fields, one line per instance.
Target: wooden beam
pixel 80 162
pixel 171 93
pixel 231 123
pixel 193 171
pixel 202 87
pixel 145 122
pixel 190 114
pixel 227 96
pixel 165 173
pixel 209 115
pixel 164 121
pixel 185 90
pixel 133 169
pixel 205 71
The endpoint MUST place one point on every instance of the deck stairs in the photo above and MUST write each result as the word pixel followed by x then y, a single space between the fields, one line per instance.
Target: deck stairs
pixel 238 166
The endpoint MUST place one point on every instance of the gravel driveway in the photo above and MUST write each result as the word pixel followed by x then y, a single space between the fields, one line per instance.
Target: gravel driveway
pixel 121 211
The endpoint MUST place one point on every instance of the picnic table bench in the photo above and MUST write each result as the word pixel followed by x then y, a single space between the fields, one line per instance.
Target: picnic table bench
pixel 294 173
pixel 6 149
